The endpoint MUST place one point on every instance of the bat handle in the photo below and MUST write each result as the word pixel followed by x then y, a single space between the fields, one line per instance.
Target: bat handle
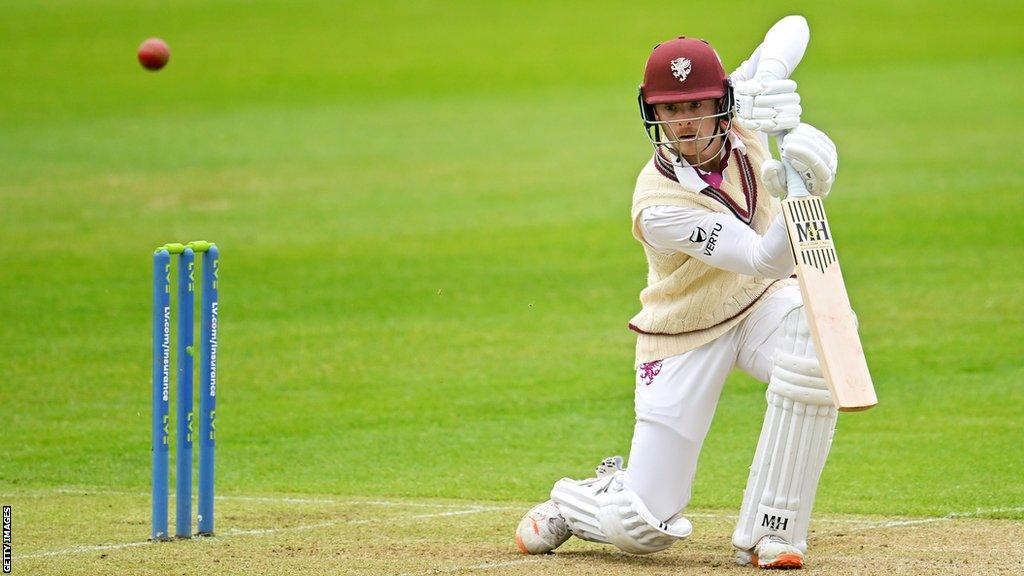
pixel 794 183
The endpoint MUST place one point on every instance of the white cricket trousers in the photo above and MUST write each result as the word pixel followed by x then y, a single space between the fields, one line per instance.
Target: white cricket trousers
pixel 676 399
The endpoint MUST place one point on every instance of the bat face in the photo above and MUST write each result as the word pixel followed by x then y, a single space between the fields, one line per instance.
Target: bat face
pixel 832 322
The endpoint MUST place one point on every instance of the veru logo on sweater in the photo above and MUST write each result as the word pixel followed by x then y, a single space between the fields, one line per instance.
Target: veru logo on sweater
pixel 699 235
pixel 712 239
pixel 681 68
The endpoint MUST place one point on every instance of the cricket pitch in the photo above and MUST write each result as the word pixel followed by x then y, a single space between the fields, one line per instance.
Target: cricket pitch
pixel 84 531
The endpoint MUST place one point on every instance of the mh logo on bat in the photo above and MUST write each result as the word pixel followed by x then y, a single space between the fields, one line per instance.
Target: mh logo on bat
pixel 812 231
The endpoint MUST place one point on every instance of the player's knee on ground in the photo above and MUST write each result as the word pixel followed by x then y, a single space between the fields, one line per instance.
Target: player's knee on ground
pixel 604 510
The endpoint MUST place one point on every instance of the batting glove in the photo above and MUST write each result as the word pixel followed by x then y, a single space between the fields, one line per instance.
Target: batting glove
pixel 812 154
pixel 769 106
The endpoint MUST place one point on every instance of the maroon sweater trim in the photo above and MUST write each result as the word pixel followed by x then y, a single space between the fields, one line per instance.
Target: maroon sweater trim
pixel 636 329
pixel 665 167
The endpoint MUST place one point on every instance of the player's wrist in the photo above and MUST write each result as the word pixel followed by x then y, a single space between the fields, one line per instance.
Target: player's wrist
pixel 771 69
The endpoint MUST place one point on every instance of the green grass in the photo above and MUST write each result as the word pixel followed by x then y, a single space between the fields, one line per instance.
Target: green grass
pixel 427 269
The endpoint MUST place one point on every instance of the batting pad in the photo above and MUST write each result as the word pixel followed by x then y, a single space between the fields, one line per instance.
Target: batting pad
pixel 794 443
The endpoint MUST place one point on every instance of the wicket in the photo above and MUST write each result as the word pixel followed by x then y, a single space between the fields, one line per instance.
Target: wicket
pixel 185 365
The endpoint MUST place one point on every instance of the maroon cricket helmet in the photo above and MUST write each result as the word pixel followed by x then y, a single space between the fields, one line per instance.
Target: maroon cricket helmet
pixel 683 70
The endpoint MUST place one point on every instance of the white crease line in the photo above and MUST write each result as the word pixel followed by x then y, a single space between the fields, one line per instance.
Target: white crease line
pixel 254 532
pixel 457 569
pixel 476 510
pixel 282 499
pixel 81 549
pixel 292 500
pixel 271 499
pixel 980 512
pixel 481 506
pixel 984 511
pixel 897 523
pixel 355 502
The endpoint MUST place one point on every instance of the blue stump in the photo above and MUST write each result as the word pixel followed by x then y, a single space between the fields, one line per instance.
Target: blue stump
pixel 208 389
pixel 161 389
pixel 183 449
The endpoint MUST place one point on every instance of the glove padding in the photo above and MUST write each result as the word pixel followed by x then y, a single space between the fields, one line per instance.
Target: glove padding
pixel 769 106
pixel 812 154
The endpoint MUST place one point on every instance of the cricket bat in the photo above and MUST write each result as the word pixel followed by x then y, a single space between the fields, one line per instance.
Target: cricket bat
pixel 826 303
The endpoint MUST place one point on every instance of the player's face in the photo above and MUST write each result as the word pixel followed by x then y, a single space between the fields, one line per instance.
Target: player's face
pixel 692 124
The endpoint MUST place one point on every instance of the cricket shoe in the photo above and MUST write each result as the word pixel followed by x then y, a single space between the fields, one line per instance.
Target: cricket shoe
pixel 542 529
pixel 609 466
pixel 773 553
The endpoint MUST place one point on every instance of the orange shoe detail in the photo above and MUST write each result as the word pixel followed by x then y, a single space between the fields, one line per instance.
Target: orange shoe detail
pixel 783 562
pixel 520 545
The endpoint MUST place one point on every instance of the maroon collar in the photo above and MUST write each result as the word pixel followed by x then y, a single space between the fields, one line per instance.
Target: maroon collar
pixel 747 182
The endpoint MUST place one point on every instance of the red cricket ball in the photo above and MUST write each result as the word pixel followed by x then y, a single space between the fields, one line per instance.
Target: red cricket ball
pixel 154 53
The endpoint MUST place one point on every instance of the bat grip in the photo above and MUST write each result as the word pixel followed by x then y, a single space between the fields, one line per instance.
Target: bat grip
pixel 794 183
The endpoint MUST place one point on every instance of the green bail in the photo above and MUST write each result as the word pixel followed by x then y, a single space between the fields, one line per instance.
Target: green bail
pixel 172 248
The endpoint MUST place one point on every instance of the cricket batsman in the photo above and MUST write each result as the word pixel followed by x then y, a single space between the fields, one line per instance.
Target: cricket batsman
pixel 720 295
